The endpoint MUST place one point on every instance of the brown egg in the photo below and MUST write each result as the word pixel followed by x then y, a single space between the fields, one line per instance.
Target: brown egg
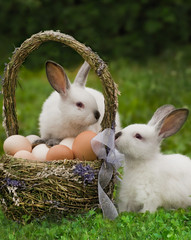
pixel 82 146
pixel 25 155
pixel 59 152
pixel 16 143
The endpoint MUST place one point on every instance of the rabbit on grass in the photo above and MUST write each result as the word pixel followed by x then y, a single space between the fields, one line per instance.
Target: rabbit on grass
pixel 152 179
pixel 71 108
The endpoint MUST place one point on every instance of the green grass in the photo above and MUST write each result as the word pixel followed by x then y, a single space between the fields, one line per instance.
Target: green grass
pixel 144 87
pixel 160 225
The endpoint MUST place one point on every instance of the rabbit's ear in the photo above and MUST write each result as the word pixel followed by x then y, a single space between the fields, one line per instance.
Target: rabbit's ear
pixel 57 77
pixel 172 123
pixel 82 74
pixel 160 113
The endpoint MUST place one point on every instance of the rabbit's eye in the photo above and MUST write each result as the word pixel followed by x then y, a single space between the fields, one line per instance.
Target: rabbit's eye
pixel 80 104
pixel 138 136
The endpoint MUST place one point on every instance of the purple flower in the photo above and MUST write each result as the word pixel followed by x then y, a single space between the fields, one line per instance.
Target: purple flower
pixel 15 50
pixel 5 64
pixel 1 82
pixel 14 183
pixel 86 172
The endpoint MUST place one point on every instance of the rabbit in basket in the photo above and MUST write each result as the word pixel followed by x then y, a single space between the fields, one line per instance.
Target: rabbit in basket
pixel 152 179
pixel 72 108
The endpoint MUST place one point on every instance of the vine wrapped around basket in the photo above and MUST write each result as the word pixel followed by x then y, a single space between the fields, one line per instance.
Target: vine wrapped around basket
pixel 56 188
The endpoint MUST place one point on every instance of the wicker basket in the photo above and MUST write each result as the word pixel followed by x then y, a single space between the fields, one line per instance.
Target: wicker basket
pixel 57 188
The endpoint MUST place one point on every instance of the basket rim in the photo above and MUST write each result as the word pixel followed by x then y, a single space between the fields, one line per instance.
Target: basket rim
pixel 110 90
pixel 12 162
pixel 38 162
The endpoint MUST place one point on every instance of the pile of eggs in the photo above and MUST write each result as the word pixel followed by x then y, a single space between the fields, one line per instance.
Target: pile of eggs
pixel 69 148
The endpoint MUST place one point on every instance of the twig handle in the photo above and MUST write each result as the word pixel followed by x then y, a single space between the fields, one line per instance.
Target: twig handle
pixel 9 84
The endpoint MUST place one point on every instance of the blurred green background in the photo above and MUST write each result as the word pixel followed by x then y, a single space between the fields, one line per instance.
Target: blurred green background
pixel 114 29
pixel 147 45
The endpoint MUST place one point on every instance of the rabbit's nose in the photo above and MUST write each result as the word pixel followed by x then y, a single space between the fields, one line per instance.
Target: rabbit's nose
pixel 97 115
pixel 117 135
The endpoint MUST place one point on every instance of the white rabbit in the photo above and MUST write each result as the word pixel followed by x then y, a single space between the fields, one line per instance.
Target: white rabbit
pixel 72 108
pixel 152 179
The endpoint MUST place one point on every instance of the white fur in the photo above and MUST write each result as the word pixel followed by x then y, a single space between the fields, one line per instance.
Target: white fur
pixel 60 117
pixel 152 179
pixel 101 108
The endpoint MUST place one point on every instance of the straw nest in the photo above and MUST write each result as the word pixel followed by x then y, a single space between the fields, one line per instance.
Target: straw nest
pixel 56 188
pixel 50 189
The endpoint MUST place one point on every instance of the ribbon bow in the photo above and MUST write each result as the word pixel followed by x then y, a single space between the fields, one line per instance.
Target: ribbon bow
pixel 104 147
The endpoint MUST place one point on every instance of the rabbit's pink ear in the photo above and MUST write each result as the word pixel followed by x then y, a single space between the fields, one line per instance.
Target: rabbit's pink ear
pixel 160 113
pixel 57 77
pixel 172 123
pixel 82 74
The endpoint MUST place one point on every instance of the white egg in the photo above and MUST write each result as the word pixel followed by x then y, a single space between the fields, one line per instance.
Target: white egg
pixel 40 152
pixel 16 143
pixel 25 155
pixel 32 138
pixel 67 142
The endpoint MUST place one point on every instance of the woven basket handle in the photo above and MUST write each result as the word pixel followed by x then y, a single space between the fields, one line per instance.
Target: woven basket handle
pixel 9 84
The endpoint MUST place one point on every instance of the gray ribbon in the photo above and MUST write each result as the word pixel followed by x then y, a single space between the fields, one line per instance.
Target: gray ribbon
pixel 104 147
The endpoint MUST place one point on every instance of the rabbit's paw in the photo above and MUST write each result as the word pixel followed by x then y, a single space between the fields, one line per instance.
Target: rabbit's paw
pixel 53 141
